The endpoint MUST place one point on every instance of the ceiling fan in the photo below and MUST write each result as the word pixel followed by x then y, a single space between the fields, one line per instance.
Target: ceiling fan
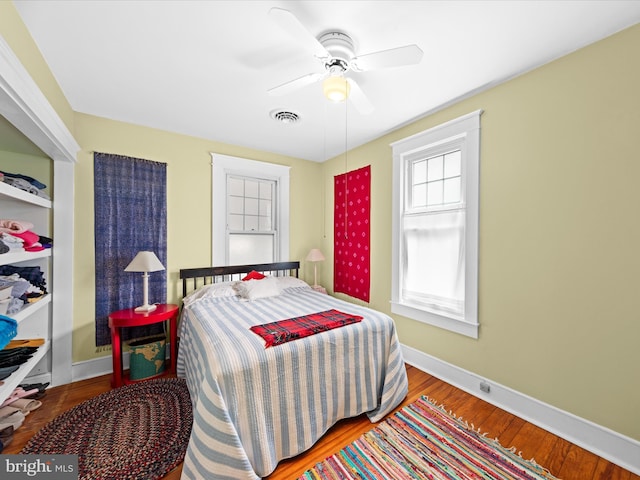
pixel 336 53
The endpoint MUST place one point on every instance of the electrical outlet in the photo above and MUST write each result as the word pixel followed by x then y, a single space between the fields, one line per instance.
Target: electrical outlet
pixel 485 387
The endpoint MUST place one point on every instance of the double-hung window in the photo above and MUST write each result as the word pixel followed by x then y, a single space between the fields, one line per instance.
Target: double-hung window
pixel 251 207
pixel 435 225
pixel 250 211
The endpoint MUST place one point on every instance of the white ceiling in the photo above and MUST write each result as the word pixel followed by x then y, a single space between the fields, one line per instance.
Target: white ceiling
pixel 203 68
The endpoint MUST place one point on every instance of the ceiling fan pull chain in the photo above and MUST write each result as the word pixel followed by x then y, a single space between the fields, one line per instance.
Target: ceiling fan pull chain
pixel 346 174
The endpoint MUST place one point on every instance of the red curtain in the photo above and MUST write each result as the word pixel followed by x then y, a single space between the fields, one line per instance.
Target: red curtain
pixel 351 274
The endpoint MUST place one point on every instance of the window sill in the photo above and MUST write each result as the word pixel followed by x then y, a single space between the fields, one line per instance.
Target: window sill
pixel 454 325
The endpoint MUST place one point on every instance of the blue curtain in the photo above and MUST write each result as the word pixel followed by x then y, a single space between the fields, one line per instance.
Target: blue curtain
pixel 130 215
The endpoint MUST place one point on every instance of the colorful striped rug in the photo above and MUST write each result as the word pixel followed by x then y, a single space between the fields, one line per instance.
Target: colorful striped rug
pixel 423 441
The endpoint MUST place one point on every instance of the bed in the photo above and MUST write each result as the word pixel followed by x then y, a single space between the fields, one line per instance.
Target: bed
pixel 256 405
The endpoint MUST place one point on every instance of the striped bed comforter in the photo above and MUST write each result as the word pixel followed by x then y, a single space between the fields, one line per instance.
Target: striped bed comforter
pixel 254 406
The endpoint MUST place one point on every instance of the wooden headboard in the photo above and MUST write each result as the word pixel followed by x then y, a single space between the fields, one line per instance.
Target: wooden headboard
pixel 205 275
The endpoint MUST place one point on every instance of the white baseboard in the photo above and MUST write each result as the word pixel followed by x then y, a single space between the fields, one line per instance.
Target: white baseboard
pixel 95 367
pixel 605 443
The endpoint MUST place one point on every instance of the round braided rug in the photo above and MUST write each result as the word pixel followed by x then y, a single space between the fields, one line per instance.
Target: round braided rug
pixel 139 431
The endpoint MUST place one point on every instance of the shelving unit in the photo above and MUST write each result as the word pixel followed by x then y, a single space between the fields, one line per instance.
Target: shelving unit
pixel 10 191
pixel 33 317
pixel 19 375
pixel 27 109
pixel 17 257
pixel 31 308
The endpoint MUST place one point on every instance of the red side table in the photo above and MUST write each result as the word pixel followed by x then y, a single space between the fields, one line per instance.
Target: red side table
pixel 130 318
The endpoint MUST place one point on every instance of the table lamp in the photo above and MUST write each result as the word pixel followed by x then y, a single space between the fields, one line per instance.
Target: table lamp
pixel 145 262
pixel 315 256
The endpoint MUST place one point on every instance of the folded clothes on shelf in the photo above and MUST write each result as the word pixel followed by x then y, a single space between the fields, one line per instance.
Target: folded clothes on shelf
pixel 27 286
pixel 15 360
pixel 19 286
pixel 14 356
pixel 8 354
pixel 29 179
pixel 18 236
pixel 16 352
pixel 11 244
pixel 25 183
pixel 5 299
pixel 33 275
pixel 5 372
pixel 15 226
pixel 30 241
pixel 22 185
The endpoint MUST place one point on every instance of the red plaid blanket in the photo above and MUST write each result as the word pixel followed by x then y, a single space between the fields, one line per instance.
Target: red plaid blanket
pixel 283 331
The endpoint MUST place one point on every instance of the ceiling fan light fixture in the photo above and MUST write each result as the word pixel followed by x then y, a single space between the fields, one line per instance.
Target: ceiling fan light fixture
pixel 336 88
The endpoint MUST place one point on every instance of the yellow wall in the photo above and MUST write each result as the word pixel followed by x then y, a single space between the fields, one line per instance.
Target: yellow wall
pixel 559 234
pixel 559 226
pixel 188 187
pixel 36 166
pixel 189 193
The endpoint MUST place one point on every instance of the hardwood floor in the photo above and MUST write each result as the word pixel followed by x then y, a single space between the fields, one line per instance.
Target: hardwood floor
pixel 563 459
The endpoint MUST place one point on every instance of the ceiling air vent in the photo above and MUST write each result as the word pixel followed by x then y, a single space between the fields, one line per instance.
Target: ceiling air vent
pixel 285 117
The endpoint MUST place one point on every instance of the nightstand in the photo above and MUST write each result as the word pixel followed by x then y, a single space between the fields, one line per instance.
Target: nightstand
pixel 319 288
pixel 130 318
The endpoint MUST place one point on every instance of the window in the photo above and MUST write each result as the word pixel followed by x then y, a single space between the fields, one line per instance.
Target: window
pixel 435 225
pixel 250 211
pixel 251 233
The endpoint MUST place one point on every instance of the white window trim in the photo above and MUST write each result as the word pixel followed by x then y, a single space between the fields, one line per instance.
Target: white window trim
pixel 468 126
pixel 222 165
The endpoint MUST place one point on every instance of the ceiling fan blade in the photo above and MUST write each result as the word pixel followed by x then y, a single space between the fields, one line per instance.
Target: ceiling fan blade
pixel 359 98
pixel 290 24
pixel 296 84
pixel 394 57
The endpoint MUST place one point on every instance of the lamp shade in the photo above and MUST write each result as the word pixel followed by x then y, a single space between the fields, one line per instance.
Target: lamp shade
pixel 315 255
pixel 144 261
pixel 336 88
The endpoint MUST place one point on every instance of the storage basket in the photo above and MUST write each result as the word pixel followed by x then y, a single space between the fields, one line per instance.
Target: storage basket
pixel 147 357
pixel 8 330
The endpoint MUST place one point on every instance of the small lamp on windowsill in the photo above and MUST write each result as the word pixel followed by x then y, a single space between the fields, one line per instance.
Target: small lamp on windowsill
pixel 315 256
pixel 145 262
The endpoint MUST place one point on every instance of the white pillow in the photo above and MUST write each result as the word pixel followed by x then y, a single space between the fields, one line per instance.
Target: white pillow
pixel 287 282
pixel 222 289
pixel 254 289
